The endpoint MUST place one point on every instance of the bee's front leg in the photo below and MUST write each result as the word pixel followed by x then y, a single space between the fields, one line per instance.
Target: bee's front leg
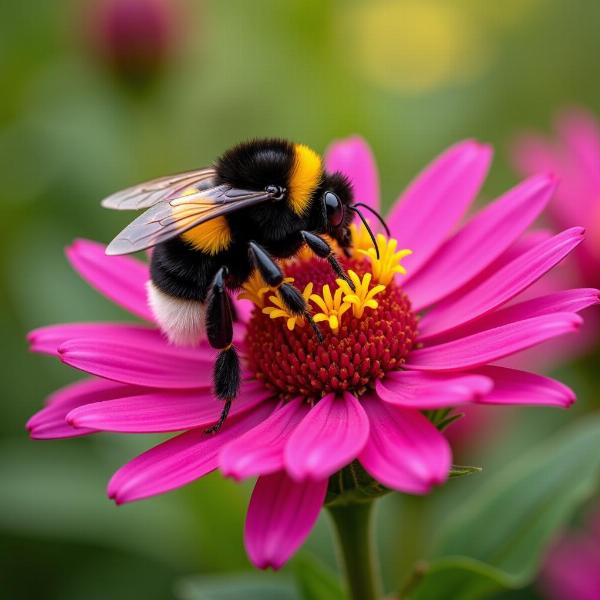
pixel 323 250
pixel 273 276
pixel 219 330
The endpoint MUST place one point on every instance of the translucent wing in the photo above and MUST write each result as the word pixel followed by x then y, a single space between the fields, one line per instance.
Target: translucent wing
pixel 151 192
pixel 173 217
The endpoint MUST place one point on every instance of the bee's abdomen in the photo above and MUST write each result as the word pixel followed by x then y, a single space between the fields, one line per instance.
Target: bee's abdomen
pixel 182 321
pixel 176 268
pixel 182 272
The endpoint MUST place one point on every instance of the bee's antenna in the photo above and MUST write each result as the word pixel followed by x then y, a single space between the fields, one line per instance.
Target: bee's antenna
pixel 379 217
pixel 366 224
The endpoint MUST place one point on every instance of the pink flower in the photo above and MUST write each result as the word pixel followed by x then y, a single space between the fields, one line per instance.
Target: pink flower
pixel 574 156
pixel 134 38
pixel 572 568
pixel 390 352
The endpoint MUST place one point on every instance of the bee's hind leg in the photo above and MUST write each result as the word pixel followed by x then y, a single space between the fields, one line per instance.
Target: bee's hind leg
pixel 289 294
pixel 219 330
pixel 323 250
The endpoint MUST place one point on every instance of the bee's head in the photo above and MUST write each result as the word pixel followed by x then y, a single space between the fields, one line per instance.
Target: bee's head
pixel 335 204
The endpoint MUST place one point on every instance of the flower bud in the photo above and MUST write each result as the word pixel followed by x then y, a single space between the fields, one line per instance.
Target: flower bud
pixel 135 39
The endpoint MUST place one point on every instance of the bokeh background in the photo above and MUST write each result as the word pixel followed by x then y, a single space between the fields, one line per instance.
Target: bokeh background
pixel 98 94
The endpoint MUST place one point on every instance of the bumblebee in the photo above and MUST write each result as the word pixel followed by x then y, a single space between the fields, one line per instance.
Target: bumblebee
pixel 211 228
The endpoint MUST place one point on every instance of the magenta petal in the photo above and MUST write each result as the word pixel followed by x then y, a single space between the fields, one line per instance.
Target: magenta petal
pixel 48 339
pixel 404 451
pixel 424 391
pixel 120 278
pixel 512 386
pixel 524 244
pixel 329 437
pixel 571 301
pixel 481 241
pixel 243 310
pixel 353 157
pixel 148 363
pixel 488 346
pixel 160 411
pixel 501 286
pixel 260 450
pixel 280 516
pixel 531 153
pixel 180 460
pixel 570 571
pixel 437 199
pixel 580 133
pixel 50 422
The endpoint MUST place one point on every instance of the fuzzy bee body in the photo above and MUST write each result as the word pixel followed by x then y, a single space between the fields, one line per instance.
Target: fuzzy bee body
pixel 210 229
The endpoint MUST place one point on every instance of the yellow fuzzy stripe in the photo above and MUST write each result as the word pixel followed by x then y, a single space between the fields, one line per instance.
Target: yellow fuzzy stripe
pixel 305 177
pixel 211 237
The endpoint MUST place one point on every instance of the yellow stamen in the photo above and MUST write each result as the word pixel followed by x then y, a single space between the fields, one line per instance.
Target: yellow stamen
pixel 388 264
pixel 332 307
pixel 280 310
pixel 361 297
pixel 255 289
pixel 361 240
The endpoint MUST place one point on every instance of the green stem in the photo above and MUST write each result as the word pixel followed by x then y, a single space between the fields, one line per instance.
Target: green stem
pixel 353 527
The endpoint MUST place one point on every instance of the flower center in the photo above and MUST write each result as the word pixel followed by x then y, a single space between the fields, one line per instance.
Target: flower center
pixel 366 332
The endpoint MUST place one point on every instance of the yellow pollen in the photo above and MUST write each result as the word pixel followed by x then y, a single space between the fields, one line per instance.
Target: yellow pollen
pixel 361 297
pixel 255 289
pixel 279 310
pixel 388 264
pixel 361 240
pixel 332 307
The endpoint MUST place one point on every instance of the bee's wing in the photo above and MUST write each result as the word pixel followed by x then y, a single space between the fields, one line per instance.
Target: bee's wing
pixel 173 217
pixel 151 192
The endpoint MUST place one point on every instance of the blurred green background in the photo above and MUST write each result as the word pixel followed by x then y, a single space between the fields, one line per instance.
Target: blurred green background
pixel 84 111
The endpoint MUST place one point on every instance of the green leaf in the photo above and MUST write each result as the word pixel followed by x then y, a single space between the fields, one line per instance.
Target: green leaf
pixel 462 470
pixel 314 581
pixel 508 522
pixel 353 484
pixel 251 586
pixel 445 423
pixel 443 417
pixel 458 578
pixel 57 491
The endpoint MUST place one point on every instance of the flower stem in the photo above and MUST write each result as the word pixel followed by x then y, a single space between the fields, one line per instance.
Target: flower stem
pixel 353 527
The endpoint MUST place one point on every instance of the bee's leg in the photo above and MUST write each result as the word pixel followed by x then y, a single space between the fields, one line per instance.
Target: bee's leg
pixel 219 330
pixel 323 250
pixel 273 276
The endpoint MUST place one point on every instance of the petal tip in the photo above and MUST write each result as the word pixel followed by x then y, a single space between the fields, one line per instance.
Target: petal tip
pixel 265 563
pixel 77 246
pixel 74 419
pixel 576 322
pixel 477 146
pixel 483 387
pixel 232 472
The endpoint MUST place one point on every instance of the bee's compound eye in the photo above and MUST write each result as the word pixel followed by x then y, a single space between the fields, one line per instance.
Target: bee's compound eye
pixel 276 191
pixel 335 209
